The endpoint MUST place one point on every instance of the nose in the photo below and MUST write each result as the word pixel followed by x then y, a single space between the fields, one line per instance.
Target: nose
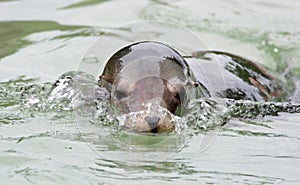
pixel 153 122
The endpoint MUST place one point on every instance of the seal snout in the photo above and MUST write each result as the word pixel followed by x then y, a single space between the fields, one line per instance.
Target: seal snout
pixel 153 122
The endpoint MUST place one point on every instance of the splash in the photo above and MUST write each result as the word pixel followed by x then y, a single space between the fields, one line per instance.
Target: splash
pixel 251 110
pixel 77 91
pixel 209 113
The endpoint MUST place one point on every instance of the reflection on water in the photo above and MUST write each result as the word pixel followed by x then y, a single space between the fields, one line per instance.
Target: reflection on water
pixel 46 146
pixel 84 3
pixel 120 155
pixel 13 33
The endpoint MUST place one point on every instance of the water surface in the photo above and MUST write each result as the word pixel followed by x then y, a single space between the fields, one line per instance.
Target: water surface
pixel 42 40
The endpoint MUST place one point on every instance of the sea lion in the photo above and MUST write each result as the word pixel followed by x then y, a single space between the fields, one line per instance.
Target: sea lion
pixel 146 76
pixel 152 79
pixel 150 83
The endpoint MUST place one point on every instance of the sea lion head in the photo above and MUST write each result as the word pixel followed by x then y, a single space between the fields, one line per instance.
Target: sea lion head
pixel 149 82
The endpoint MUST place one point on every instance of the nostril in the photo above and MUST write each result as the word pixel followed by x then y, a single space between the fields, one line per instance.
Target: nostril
pixel 153 122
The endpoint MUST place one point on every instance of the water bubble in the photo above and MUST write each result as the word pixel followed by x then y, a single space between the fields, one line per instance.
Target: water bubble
pixel 90 59
pixel 263 43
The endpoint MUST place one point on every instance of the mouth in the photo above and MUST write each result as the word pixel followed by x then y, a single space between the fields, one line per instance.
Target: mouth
pixel 159 120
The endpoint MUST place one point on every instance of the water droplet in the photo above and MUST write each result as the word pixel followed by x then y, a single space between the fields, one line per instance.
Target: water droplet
pixel 275 50
pixel 90 59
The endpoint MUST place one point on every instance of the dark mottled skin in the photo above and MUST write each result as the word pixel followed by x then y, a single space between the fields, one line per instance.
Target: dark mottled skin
pixel 243 79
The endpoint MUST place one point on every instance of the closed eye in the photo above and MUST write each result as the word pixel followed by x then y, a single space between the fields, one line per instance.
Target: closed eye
pixel 120 94
pixel 179 92
pixel 177 97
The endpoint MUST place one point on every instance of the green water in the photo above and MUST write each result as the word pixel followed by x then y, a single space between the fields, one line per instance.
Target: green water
pixel 40 40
